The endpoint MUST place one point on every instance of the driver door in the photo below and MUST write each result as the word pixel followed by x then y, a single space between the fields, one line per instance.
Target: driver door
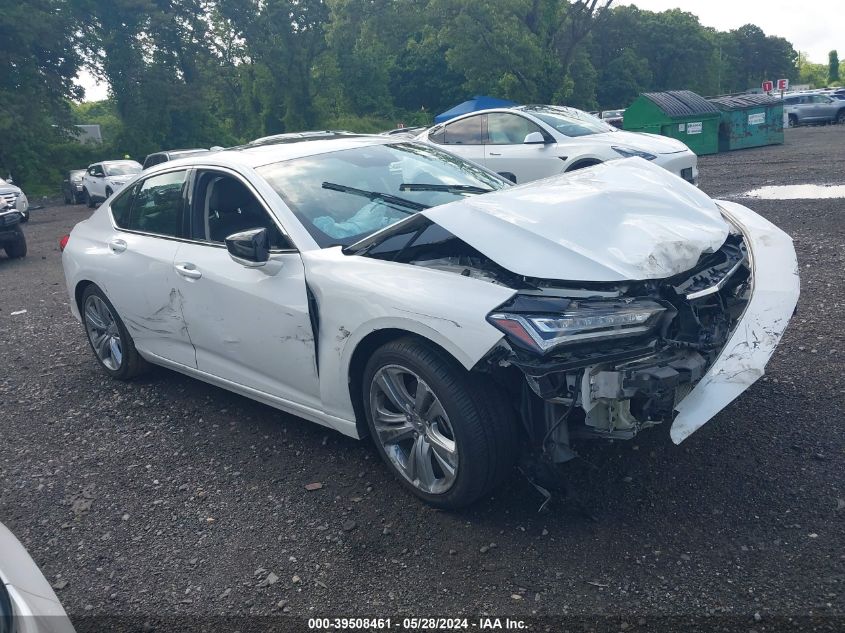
pixel 506 151
pixel 249 326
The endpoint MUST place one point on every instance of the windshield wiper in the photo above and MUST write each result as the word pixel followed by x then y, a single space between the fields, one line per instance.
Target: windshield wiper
pixel 377 195
pixel 411 186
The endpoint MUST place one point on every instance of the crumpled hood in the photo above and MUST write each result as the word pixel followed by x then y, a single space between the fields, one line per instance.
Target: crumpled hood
pixel 622 220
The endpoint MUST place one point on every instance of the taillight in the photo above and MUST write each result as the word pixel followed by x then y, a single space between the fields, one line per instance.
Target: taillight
pixel 63 242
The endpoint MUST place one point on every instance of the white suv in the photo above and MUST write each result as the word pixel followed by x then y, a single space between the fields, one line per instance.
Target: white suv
pixel 103 179
pixel 530 142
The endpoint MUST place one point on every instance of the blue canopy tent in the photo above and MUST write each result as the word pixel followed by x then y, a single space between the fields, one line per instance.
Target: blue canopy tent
pixel 473 105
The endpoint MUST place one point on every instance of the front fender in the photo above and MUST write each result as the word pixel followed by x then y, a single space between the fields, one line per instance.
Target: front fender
pixel 357 295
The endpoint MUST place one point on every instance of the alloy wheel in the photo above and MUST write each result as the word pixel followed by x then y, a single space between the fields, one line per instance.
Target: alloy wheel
pixel 414 429
pixel 103 332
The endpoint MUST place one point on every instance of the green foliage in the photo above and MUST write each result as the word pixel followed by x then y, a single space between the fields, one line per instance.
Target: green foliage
pixel 809 73
pixel 196 73
pixel 38 62
pixel 833 67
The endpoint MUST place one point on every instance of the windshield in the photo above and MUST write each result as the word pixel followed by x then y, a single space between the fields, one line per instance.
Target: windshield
pixel 569 121
pixel 122 169
pixel 342 197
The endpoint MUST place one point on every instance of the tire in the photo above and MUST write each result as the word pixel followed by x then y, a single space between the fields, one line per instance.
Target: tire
pixel 458 411
pixel 840 117
pixel 87 199
pixel 67 199
pixel 109 192
pixel 793 120
pixel 111 343
pixel 17 249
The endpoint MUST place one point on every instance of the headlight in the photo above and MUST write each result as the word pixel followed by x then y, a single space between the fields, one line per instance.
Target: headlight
pixel 22 204
pixel 629 152
pixel 581 321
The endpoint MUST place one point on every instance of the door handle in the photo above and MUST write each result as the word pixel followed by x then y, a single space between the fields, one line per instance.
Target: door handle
pixel 117 245
pixel 188 270
pixel 494 153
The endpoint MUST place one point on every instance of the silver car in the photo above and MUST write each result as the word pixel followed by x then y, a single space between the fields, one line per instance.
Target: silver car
pixel 803 109
pixel 27 601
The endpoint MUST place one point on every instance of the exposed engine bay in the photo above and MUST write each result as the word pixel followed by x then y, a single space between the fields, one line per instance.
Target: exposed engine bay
pixel 592 359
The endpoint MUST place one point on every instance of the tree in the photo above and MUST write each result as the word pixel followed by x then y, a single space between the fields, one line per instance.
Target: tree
pixel 39 62
pixel 833 67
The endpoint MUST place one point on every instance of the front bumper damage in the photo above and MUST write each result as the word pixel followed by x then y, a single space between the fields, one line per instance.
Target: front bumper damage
pixel 723 320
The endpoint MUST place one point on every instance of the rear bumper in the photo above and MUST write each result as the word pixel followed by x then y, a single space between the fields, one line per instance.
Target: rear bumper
pixel 743 359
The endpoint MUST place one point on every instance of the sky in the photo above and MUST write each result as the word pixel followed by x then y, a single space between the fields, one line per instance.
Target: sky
pixel 816 28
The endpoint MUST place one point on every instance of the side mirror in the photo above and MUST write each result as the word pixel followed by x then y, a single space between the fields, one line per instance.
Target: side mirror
pixel 249 248
pixel 507 175
pixel 535 138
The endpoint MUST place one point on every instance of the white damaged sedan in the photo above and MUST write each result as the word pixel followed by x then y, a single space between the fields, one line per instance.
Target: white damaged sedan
pixel 387 288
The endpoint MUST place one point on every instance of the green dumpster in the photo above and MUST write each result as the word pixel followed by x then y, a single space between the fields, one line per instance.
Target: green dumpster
pixel 749 121
pixel 681 114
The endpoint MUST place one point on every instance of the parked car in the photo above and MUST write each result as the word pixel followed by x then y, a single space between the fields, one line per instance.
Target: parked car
pixel 173 154
pixel 72 189
pixel 13 196
pixel 101 180
pixel 12 238
pixel 613 117
pixel 28 603
pixel 527 143
pixel 389 288
pixel 802 109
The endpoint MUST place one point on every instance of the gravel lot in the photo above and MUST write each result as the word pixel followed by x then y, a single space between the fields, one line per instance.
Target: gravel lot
pixel 166 497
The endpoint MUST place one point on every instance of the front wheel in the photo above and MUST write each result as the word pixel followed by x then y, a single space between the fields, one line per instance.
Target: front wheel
pixel 108 193
pixel 16 249
pixel 88 199
pixel 446 434
pixel 840 118
pixel 109 339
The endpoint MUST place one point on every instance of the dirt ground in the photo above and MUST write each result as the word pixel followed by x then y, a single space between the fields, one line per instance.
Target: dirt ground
pixel 165 497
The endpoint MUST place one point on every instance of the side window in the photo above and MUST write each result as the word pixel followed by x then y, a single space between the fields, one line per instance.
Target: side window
pixel 438 135
pixel 464 132
pixel 96 170
pixel 223 205
pixel 157 207
pixel 120 206
pixel 508 129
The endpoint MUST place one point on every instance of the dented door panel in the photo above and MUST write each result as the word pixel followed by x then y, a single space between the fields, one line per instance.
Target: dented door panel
pixel 251 326
pixel 141 283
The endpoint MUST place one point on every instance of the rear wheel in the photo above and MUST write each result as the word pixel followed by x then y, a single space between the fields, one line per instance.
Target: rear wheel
pixel 16 249
pixel 112 345
pixel 108 193
pixel 840 118
pixel 447 435
pixel 793 120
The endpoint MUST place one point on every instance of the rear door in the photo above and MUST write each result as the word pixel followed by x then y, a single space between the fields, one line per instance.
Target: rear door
pixel 138 276
pixel 506 151
pixel 250 326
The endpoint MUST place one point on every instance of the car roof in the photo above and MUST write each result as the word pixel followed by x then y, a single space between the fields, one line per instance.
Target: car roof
pixel 275 149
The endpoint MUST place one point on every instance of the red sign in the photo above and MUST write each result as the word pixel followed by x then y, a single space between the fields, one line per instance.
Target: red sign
pixel 783 84
pixel 768 86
